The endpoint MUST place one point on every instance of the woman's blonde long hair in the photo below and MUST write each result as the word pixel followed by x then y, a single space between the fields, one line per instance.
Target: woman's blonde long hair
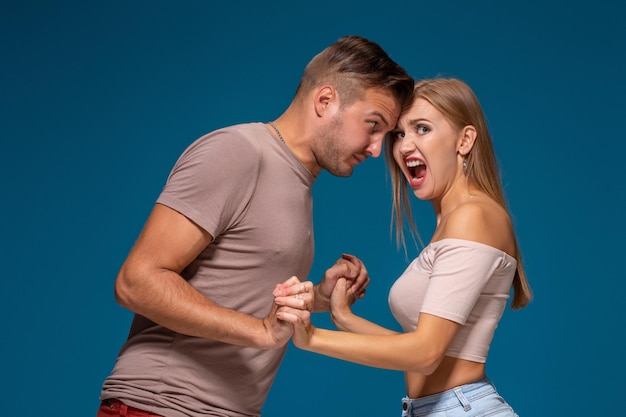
pixel 458 103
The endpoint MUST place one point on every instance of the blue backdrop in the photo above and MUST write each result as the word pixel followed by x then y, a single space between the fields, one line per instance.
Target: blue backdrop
pixel 99 98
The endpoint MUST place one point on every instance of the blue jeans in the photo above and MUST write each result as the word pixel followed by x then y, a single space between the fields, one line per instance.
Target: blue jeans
pixel 478 399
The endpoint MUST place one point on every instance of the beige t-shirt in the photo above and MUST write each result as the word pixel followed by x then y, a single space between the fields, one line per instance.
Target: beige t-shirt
pixel 460 280
pixel 249 191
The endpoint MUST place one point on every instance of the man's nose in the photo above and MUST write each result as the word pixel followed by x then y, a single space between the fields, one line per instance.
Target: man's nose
pixel 375 148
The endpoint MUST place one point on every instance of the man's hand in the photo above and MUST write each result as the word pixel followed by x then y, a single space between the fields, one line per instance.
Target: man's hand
pixel 279 331
pixel 295 299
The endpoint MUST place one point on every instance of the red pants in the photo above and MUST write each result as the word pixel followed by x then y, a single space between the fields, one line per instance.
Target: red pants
pixel 113 408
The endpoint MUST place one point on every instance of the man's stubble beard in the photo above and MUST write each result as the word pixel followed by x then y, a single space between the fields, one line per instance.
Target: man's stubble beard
pixel 329 149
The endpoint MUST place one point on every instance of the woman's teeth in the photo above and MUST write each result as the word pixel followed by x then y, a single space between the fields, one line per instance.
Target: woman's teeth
pixel 416 168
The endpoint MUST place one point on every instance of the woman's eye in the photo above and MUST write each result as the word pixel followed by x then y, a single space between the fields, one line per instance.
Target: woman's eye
pixel 421 129
pixel 397 135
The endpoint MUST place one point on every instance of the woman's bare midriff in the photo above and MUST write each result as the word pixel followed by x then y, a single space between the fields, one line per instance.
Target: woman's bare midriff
pixel 450 373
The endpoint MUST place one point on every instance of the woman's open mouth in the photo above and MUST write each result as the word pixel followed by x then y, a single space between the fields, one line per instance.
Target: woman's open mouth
pixel 417 171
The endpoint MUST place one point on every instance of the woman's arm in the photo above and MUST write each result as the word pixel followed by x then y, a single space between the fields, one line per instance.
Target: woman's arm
pixel 420 351
pixel 342 316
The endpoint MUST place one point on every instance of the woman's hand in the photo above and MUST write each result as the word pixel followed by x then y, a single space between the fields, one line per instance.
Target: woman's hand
pixel 341 300
pixel 295 301
pixel 349 267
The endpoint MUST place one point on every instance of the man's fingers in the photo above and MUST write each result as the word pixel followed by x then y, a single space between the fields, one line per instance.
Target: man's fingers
pixel 294 316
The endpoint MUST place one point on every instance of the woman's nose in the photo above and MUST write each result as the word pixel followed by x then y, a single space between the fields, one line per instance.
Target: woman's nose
pixel 406 145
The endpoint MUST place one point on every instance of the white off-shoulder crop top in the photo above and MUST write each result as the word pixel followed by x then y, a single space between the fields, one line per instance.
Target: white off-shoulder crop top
pixel 459 280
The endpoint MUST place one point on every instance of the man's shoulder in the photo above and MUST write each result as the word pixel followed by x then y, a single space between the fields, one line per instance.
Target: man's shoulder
pixel 243 130
pixel 230 137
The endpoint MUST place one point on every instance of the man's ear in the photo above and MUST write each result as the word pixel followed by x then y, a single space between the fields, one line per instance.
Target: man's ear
pixel 467 139
pixel 325 99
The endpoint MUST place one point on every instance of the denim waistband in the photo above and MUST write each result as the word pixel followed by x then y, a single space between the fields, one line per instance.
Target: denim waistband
pixel 450 398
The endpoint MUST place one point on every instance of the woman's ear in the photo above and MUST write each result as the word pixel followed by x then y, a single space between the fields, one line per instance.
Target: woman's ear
pixel 466 142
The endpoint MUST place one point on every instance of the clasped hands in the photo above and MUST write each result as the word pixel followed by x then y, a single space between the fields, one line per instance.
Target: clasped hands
pixel 342 284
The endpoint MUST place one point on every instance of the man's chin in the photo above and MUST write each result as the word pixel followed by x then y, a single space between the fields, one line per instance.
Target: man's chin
pixel 343 170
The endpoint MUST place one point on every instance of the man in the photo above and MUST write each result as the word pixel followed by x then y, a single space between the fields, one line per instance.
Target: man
pixel 233 220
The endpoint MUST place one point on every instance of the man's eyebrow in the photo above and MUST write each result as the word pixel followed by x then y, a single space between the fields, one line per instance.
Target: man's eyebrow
pixel 380 115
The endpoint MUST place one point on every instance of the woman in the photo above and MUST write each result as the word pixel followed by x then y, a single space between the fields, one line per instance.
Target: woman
pixel 451 297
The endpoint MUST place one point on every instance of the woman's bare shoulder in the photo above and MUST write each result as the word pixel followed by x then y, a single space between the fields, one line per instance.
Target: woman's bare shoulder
pixel 481 220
